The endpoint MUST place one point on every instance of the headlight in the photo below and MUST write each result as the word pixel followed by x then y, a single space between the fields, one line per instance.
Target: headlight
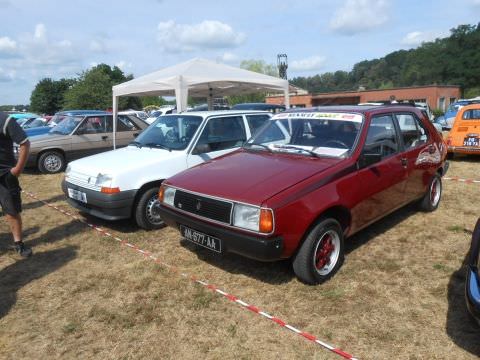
pixel 253 218
pixel 166 195
pixel 103 180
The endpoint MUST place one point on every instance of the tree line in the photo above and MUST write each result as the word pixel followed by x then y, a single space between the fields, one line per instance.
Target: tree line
pixel 454 60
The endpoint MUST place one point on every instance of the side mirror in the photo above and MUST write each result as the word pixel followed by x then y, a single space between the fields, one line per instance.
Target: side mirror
pixel 366 160
pixel 201 149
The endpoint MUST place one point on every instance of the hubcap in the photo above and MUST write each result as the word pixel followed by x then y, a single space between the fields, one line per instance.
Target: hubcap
pixel 326 252
pixel 153 215
pixel 52 163
pixel 435 192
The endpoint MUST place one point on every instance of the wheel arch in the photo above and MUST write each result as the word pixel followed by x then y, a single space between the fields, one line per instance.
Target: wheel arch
pixel 143 188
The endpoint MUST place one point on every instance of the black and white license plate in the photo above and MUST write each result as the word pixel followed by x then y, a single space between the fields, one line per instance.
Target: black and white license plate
pixel 77 195
pixel 201 239
pixel 471 141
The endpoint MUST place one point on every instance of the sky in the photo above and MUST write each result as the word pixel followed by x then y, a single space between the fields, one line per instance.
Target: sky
pixel 60 39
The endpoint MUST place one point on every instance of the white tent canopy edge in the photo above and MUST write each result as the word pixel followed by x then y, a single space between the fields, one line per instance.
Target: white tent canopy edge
pixel 197 78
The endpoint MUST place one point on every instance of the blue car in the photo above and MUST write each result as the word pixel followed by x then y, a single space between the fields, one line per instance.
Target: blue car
pixel 472 285
pixel 59 116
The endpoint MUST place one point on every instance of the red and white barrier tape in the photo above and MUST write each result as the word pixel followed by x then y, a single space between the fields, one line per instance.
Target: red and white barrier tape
pixel 211 287
pixel 467 181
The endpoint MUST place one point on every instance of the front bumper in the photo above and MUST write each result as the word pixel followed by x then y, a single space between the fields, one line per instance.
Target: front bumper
pixel 472 292
pixel 104 206
pixel 463 150
pixel 251 246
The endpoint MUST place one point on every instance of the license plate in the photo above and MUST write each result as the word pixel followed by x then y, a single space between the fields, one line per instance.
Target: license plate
pixel 201 239
pixel 471 141
pixel 77 195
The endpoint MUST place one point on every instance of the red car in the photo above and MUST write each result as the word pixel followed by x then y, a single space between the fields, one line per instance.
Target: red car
pixel 307 180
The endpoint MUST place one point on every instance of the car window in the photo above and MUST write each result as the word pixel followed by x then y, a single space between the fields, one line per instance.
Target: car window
pixel 92 125
pixel 124 123
pixel 473 114
pixel 255 122
pixel 223 133
pixel 412 131
pixel 381 137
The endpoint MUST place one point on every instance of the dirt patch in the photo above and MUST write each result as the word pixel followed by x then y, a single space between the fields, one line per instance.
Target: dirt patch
pixel 398 295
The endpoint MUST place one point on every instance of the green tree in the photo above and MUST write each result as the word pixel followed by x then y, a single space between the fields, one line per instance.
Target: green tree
pixel 93 90
pixel 258 66
pixel 48 95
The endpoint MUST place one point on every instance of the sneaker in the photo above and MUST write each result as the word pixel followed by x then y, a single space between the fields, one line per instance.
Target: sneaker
pixel 22 250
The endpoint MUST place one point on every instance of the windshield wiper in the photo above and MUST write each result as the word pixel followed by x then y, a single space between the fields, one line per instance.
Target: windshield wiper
pixel 255 144
pixel 158 146
pixel 292 147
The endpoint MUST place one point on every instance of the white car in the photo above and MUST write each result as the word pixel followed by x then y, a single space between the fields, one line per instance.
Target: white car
pixel 164 110
pixel 138 113
pixel 124 183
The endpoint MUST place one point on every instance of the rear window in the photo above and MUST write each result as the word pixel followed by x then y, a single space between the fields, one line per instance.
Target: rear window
pixel 473 114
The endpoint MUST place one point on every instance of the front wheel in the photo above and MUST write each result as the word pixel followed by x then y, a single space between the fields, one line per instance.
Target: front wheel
pixel 321 254
pixel 147 215
pixel 432 197
pixel 51 162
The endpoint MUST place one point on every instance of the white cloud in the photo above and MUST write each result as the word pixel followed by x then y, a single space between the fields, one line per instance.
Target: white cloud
pixel 209 34
pixel 416 38
pixel 7 45
pixel 308 64
pixel 357 16
pixel 98 46
pixel 6 75
pixel 123 65
pixel 228 58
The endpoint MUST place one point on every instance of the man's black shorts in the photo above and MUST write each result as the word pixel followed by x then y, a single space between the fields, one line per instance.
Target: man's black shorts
pixel 10 190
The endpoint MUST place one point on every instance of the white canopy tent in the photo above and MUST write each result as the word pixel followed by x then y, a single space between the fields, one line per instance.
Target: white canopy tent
pixel 198 78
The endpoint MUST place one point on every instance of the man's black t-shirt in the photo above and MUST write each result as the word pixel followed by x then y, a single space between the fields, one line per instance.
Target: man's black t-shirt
pixel 10 132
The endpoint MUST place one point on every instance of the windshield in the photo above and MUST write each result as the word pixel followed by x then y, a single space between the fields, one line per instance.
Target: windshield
pixel 67 125
pixel 169 132
pixel 309 133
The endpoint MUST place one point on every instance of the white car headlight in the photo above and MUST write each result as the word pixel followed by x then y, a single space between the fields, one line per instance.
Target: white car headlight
pixel 103 180
pixel 246 216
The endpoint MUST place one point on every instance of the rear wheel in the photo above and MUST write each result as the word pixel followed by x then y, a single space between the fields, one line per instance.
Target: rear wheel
pixel 147 215
pixel 51 162
pixel 321 254
pixel 432 197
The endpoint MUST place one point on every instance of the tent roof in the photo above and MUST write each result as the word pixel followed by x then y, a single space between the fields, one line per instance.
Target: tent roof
pixel 202 78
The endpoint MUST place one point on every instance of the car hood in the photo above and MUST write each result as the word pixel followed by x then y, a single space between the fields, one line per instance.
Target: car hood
pixel 40 140
pixel 250 177
pixel 125 160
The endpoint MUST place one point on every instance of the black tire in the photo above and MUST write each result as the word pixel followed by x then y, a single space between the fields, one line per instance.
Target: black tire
pixel 146 212
pixel 51 162
pixel 307 261
pixel 432 197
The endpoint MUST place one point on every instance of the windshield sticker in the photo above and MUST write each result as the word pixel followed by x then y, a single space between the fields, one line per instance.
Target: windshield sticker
pixel 321 115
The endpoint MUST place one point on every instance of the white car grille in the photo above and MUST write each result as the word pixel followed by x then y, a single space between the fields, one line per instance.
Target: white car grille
pixel 82 180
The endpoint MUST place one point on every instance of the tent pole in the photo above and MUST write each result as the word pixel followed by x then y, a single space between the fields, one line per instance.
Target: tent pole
pixel 287 97
pixel 115 111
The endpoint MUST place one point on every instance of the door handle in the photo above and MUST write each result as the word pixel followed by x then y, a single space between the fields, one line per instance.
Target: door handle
pixel 404 162
pixel 104 137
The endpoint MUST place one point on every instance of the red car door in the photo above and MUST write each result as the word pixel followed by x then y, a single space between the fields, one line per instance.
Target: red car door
pixel 381 184
pixel 419 154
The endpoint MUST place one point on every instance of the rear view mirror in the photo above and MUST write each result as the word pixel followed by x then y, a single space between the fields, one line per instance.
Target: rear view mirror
pixel 366 160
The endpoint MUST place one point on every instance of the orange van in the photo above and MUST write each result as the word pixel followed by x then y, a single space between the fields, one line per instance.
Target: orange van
pixel 464 138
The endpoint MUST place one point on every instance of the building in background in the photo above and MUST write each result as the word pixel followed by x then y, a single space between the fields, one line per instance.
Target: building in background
pixel 436 96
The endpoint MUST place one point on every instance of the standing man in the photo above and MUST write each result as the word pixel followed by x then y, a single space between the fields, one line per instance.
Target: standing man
pixel 10 170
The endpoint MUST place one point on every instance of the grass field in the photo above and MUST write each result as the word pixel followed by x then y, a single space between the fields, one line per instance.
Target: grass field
pixel 399 294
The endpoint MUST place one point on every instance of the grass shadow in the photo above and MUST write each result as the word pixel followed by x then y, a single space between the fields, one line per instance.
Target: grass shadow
pixel 275 273
pixel 58 233
pixel 22 272
pixel 460 326
pixel 379 227
pixel 36 204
